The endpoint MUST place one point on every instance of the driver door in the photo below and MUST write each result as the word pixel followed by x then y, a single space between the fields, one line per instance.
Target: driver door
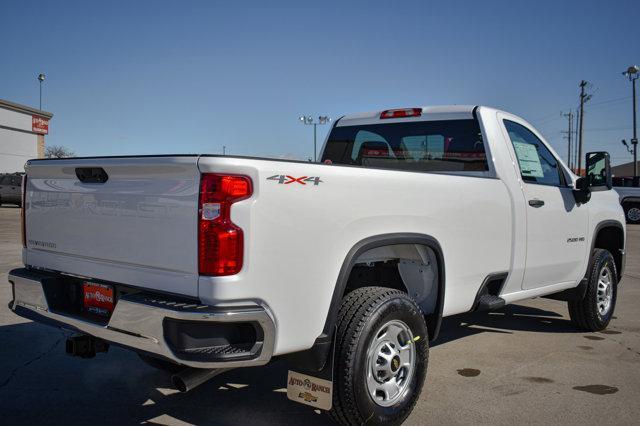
pixel 556 224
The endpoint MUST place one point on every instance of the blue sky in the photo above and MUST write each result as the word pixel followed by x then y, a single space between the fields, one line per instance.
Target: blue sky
pixel 138 77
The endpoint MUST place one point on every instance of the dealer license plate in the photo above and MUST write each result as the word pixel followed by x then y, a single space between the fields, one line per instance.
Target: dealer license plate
pixel 97 298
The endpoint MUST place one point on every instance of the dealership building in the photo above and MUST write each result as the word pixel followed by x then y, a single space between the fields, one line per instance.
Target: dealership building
pixel 22 132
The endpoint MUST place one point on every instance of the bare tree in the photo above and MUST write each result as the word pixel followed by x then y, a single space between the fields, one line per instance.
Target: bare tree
pixel 55 151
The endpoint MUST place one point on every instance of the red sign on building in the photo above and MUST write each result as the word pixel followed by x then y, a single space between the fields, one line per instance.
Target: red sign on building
pixel 39 125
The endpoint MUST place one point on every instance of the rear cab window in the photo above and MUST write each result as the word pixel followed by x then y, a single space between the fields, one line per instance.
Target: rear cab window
pixel 424 146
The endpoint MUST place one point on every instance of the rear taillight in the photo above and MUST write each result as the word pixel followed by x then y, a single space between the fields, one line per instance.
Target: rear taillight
pixel 23 206
pixel 401 113
pixel 220 241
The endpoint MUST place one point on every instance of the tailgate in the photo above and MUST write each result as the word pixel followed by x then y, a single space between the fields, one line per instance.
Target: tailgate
pixel 138 228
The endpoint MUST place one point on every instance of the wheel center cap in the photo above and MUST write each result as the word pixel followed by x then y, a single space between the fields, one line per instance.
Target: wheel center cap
pixel 395 363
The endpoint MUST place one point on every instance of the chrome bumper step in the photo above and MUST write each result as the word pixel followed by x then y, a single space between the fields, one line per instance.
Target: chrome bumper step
pixel 137 321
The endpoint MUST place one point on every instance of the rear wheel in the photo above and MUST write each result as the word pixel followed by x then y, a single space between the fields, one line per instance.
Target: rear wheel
pixel 161 364
pixel 594 311
pixel 381 357
pixel 632 212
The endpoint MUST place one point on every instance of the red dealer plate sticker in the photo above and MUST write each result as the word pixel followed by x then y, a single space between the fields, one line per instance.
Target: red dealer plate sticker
pixel 97 298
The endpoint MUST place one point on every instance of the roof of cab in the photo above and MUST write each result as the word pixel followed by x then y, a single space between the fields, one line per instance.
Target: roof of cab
pixel 429 113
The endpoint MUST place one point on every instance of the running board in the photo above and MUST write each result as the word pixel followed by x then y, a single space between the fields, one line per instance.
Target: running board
pixel 488 302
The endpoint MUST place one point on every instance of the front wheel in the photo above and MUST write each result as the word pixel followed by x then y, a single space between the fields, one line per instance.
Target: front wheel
pixel 381 357
pixel 594 311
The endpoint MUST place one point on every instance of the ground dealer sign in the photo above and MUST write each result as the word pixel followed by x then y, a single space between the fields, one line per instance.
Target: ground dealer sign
pixel 39 125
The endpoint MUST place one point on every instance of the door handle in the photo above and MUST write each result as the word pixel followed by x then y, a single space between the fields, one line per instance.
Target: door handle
pixel 536 203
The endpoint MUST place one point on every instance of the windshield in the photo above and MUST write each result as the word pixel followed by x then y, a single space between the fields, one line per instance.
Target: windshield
pixel 430 146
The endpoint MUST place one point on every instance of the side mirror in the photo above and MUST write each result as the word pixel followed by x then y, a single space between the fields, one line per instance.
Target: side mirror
pixel 599 170
pixel 582 192
pixel 598 167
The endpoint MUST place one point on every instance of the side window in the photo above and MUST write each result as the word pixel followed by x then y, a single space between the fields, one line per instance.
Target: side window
pixel 537 164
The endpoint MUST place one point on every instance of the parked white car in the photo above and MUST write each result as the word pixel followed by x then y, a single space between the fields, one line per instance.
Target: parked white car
pixel 629 191
pixel 347 267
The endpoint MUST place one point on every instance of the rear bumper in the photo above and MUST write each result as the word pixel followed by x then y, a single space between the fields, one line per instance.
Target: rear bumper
pixel 158 325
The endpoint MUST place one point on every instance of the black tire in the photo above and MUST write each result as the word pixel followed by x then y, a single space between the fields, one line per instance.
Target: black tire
pixel 362 313
pixel 631 209
pixel 161 364
pixel 585 313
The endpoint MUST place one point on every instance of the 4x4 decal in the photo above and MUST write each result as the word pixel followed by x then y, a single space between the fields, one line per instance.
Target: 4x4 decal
pixel 302 180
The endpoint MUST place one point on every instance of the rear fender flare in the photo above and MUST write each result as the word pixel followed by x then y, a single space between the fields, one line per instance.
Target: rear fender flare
pixel 380 241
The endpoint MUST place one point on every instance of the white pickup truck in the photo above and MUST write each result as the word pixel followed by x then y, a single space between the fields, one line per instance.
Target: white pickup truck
pixel 205 263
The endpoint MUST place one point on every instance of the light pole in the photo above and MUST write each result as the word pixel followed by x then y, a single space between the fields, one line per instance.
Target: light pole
pixel 41 78
pixel 632 74
pixel 308 120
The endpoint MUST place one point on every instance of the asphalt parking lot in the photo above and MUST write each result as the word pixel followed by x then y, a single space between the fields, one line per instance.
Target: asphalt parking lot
pixel 524 364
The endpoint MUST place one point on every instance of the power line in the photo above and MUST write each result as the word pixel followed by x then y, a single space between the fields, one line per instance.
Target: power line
pixel 547 121
pixel 609 101
pixel 554 116
pixel 607 129
pixel 537 120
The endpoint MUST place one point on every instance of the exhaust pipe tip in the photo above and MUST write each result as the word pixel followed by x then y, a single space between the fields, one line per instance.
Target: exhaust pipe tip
pixel 191 378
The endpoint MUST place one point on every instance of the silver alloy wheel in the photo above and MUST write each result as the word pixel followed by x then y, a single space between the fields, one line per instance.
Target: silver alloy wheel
pixel 391 359
pixel 633 214
pixel 604 295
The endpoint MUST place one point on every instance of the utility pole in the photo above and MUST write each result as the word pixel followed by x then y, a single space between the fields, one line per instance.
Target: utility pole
pixel 575 144
pixel 224 150
pixel 634 141
pixel 569 131
pixel 632 74
pixel 583 98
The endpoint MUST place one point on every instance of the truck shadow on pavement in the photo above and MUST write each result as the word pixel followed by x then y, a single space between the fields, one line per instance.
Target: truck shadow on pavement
pixel 507 320
pixel 39 382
